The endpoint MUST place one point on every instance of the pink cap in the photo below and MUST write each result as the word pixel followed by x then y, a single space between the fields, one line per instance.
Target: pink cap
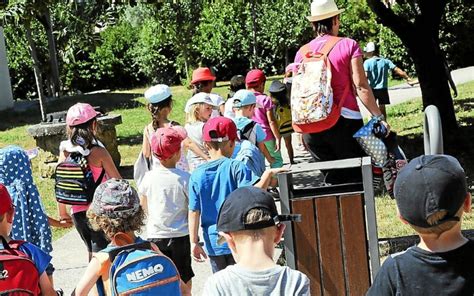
pixel 219 129
pixel 80 113
pixel 6 203
pixel 293 67
pixel 255 77
pixel 166 141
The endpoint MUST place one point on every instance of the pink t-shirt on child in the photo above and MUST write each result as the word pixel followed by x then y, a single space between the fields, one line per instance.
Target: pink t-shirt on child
pixel 260 115
pixel 340 56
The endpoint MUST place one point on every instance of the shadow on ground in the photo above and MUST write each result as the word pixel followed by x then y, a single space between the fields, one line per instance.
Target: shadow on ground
pixel 107 101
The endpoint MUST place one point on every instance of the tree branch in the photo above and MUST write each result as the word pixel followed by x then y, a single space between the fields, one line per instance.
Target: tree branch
pixel 400 25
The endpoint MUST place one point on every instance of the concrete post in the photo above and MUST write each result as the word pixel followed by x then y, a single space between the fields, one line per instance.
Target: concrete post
pixel 6 97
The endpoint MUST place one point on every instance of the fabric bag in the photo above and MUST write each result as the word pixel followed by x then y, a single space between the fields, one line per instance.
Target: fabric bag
pixel 18 273
pixel 372 145
pixel 312 104
pixel 75 183
pixel 141 166
pixel 396 160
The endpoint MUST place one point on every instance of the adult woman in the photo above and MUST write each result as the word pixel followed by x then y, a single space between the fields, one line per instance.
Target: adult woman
pixel 347 71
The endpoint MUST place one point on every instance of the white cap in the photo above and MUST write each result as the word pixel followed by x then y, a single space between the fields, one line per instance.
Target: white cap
pixel 157 93
pixel 198 98
pixel 370 47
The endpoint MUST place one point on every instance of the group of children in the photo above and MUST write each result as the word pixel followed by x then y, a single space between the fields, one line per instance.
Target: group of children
pixel 205 187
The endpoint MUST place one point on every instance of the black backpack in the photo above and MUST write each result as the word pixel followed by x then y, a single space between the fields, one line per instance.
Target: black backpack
pixel 75 184
pixel 248 133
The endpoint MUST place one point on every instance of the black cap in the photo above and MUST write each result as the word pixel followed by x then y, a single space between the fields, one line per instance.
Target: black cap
pixel 235 208
pixel 429 184
pixel 277 87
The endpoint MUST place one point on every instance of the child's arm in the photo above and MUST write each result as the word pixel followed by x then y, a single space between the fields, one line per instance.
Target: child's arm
pixel 88 280
pixel 63 214
pixel 197 252
pixel 46 286
pixel 63 223
pixel 274 127
pixel 264 150
pixel 190 144
pixel 266 177
pixel 146 149
pixel 144 204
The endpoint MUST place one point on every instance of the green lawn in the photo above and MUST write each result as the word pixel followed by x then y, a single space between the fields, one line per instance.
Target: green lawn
pixel 405 118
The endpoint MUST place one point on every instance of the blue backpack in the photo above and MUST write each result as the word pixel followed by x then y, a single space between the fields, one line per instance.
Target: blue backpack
pixel 137 269
pixel 251 156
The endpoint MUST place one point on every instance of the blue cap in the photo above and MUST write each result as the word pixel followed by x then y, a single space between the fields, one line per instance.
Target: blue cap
pixel 243 98
pixel 158 93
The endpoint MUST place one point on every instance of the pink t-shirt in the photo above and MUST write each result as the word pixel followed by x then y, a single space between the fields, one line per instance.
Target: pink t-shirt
pixel 96 171
pixel 260 115
pixel 340 56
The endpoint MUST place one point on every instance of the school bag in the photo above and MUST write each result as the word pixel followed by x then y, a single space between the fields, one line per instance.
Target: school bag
pixel 248 133
pixel 18 273
pixel 137 269
pixel 313 108
pixel 75 184
pixel 251 157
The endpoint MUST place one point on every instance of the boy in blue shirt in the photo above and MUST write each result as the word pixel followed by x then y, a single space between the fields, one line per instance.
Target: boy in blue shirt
pixel 209 186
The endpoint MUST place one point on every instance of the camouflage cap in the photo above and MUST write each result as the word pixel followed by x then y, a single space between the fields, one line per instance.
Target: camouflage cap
pixel 114 199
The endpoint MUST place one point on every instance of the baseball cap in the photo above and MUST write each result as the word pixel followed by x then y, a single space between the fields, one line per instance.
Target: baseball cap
pixel 243 98
pixel 255 77
pixel 165 142
pixel 80 113
pixel 219 129
pixel 158 93
pixel 370 47
pixel 429 184
pixel 277 87
pixel 197 99
pixel 235 208
pixel 202 74
pixel 6 203
pixel 115 198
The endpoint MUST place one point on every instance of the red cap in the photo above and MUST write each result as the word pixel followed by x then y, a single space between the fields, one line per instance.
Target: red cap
pixel 255 77
pixel 202 74
pixel 219 129
pixel 165 142
pixel 6 203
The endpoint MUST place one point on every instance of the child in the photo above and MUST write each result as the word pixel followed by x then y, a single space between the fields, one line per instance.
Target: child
pixel 203 81
pixel 245 104
pixel 81 120
pixel 39 258
pixel 279 94
pixel 255 81
pixel 198 110
pixel 237 82
pixel 116 210
pixel 249 222
pixel 210 184
pixel 431 194
pixel 164 195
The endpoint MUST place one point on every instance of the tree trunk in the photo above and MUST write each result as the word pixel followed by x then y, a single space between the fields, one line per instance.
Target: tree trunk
pixel 254 33
pixel 36 70
pixel 45 20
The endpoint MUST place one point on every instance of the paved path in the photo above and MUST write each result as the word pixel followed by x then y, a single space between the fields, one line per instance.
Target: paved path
pixel 70 255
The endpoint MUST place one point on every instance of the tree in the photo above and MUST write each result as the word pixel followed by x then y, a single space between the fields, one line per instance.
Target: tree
pixel 417 24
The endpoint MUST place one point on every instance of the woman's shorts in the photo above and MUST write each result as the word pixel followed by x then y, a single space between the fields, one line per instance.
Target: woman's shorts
pixel 94 240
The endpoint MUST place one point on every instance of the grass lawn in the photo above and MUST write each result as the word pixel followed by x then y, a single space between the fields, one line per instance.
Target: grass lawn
pixel 406 119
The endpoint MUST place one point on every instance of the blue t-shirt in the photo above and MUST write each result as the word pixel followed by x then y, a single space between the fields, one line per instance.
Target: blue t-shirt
pixel 377 71
pixel 39 257
pixel 209 186
pixel 241 123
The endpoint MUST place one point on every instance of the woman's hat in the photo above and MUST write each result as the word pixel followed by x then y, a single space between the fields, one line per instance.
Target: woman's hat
pixel 323 9
pixel 158 93
pixel 202 74
pixel 80 113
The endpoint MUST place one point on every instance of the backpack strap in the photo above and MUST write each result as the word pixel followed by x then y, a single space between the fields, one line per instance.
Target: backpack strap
pixel 329 45
pixel 248 127
pixel 99 180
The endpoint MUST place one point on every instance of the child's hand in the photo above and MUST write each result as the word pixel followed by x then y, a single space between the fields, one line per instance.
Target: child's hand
pixel 277 145
pixel 198 253
pixel 276 171
pixel 65 223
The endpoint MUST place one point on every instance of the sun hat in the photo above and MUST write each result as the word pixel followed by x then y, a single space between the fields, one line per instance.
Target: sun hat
pixel 80 113
pixel 198 99
pixel 115 198
pixel 429 184
pixel 219 129
pixel 277 87
pixel 255 77
pixel 323 9
pixel 237 205
pixel 165 142
pixel 158 93
pixel 202 74
pixel 6 203
pixel 370 47
pixel 243 98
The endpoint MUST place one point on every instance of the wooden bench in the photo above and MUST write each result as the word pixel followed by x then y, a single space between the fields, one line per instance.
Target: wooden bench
pixel 335 244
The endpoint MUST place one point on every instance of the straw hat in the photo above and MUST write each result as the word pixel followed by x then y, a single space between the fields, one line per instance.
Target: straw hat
pixel 323 9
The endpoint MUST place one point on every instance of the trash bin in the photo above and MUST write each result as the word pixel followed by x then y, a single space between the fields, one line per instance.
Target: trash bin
pixel 336 242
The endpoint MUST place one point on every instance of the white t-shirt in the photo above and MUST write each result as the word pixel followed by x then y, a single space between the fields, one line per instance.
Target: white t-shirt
pixel 194 131
pixel 235 280
pixel 217 101
pixel 166 193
